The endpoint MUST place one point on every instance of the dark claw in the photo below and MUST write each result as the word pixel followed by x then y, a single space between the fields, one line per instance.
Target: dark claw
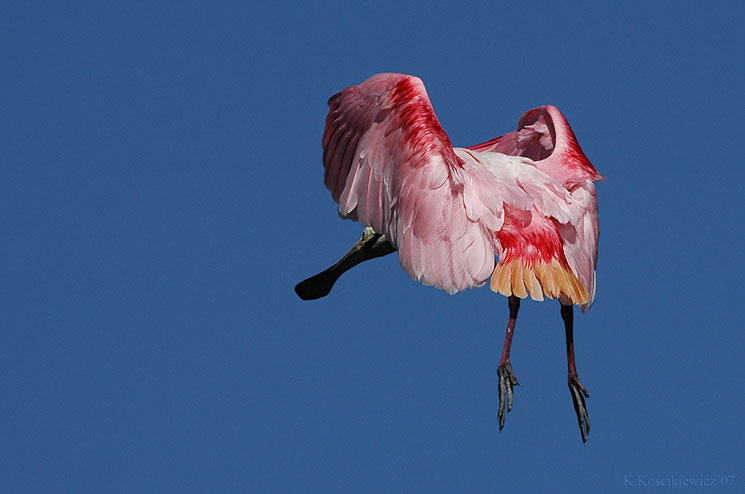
pixel 579 393
pixel 507 379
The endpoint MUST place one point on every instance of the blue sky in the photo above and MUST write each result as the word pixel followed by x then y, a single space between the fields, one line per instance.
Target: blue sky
pixel 162 193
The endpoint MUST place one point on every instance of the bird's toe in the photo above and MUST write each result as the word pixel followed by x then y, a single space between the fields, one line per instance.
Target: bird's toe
pixel 507 380
pixel 579 393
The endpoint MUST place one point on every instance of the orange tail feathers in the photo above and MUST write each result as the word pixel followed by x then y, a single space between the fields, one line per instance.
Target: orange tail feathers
pixel 520 278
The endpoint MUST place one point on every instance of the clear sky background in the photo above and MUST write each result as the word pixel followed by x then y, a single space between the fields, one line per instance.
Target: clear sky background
pixel 161 193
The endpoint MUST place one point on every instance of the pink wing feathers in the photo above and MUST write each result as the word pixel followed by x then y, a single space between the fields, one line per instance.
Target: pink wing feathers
pixel 544 135
pixel 389 165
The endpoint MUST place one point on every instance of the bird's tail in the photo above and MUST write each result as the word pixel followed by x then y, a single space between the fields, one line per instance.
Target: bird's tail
pixel 552 279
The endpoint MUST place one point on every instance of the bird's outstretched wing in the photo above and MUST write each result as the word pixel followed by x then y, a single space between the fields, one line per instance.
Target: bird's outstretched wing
pixel 389 165
pixel 544 136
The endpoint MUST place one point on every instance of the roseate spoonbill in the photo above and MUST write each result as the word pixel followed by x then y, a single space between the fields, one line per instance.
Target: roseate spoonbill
pixel 527 198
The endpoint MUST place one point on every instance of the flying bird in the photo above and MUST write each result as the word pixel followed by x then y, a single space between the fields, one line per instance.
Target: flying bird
pixel 526 198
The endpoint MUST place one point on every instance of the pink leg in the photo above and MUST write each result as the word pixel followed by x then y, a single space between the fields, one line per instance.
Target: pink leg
pixel 507 378
pixel 579 393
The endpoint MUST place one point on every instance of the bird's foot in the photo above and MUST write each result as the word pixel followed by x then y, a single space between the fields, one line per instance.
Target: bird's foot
pixel 579 393
pixel 507 379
